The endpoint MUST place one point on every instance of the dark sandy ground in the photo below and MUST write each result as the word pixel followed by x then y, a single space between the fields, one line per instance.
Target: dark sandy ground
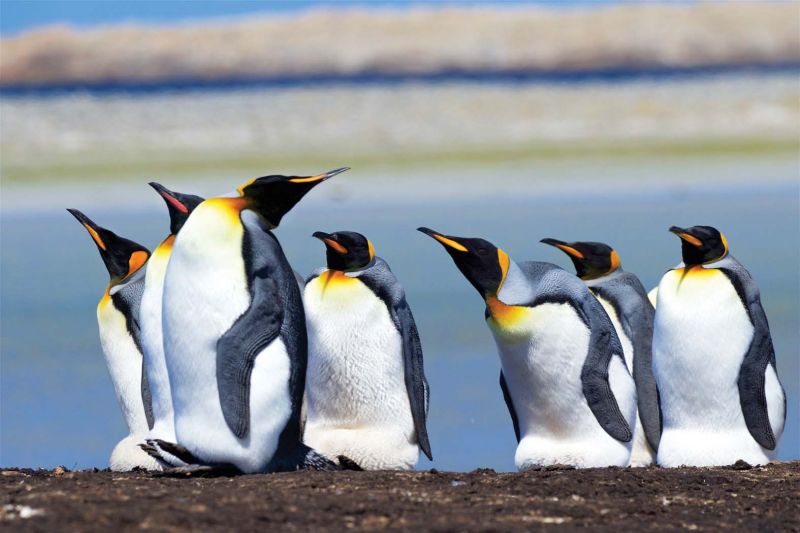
pixel 760 498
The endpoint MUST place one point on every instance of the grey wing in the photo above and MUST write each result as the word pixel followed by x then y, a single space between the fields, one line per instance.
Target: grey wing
pixel 382 282
pixel 509 404
pixel 603 344
pixel 636 313
pixel 128 299
pixel 237 349
pixel 416 384
pixel 752 374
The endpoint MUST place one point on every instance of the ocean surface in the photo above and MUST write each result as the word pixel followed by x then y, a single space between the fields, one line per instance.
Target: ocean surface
pixel 58 405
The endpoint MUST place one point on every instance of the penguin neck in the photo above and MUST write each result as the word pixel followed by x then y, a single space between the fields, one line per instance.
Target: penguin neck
pixel 593 282
pixel 515 288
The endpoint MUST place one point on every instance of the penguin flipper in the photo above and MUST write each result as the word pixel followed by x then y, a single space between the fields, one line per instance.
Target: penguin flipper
pixel 760 354
pixel 627 294
pixel 380 280
pixel 237 349
pixel 603 345
pixel 509 404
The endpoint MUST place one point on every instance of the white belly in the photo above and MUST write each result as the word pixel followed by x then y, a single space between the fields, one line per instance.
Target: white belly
pixel 124 361
pixel 641 452
pixel 153 347
pixel 358 404
pixel 205 291
pixel 701 334
pixel 542 351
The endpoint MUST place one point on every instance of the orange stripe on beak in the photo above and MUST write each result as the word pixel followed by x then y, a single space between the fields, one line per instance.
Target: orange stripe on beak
pixel 449 242
pixel 570 250
pixel 336 246
pixel 691 239
pixel 95 236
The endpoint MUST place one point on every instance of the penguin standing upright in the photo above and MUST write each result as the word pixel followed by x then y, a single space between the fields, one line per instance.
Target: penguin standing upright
pixel 624 299
pixel 563 376
pixel 713 360
pixel 234 333
pixel 118 322
pixel 179 206
pixel 367 397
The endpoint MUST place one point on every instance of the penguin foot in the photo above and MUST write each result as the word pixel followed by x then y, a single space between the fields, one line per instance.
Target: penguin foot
pixel 345 463
pixel 169 454
pixel 316 461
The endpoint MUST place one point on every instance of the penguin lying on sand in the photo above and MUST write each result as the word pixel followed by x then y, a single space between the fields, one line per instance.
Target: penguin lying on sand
pixel 235 335
pixel 564 379
pixel 118 322
pixel 624 299
pixel 713 360
pixel 179 206
pixel 366 389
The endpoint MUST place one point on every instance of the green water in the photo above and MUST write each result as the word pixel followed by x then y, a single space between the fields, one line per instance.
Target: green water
pixel 58 405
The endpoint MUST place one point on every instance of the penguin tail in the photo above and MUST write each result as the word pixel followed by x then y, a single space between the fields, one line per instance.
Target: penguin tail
pixel 313 460
pixel 345 463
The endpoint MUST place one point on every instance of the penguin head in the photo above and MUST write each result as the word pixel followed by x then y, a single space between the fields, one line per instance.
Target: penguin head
pixel 346 250
pixel 121 256
pixel 483 264
pixel 180 206
pixel 701 244
pixel 274 196
pixel 591 259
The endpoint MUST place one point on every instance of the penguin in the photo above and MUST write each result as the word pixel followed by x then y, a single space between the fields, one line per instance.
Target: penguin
pixel 120 338
pixel 713 360
pixel 367 396
pixel 563 376
pixel 623 297
pixel 235 336
pixel 179 206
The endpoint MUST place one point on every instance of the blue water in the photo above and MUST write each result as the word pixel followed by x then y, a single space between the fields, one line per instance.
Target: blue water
pixel 19 15
pixel 58 405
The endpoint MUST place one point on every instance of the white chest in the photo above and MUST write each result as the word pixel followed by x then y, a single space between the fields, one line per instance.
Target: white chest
pixel 701 334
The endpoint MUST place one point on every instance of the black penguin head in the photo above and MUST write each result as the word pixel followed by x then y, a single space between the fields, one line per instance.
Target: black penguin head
pixel 701 244
pixel 591 259
pixel 346 250
pixel 274 196
pixel 180 206
pixel 482 263
pixel 121 256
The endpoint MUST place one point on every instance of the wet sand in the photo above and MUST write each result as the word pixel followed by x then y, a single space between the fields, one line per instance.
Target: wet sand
pixel 738 496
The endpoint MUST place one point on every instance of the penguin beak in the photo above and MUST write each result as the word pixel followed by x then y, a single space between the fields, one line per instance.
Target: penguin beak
pixel 564 247
pixel 169 197
pixel 686 236
pixel 447 241
pixel 93 229
pixel 320 177
pixel 330 242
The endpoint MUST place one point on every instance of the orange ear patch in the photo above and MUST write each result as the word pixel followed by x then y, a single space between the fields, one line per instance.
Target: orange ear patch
pixel 504 261
pixel 371 250
pixel 136 261
pixel 614 261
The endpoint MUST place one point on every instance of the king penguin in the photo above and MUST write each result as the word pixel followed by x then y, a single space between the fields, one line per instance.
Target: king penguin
pixel 713 360
pixel 623 297
pixel 366 389
pixel 235 335
pixel 571 398
pixel 118 322
pixel 179 206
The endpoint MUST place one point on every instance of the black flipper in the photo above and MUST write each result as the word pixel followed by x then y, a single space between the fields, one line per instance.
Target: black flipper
pixel 752 374
pixel 509 404
pixel 629 299
pixel 381 281
pixel 127 299
pixel 603 344
pixel 237 349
